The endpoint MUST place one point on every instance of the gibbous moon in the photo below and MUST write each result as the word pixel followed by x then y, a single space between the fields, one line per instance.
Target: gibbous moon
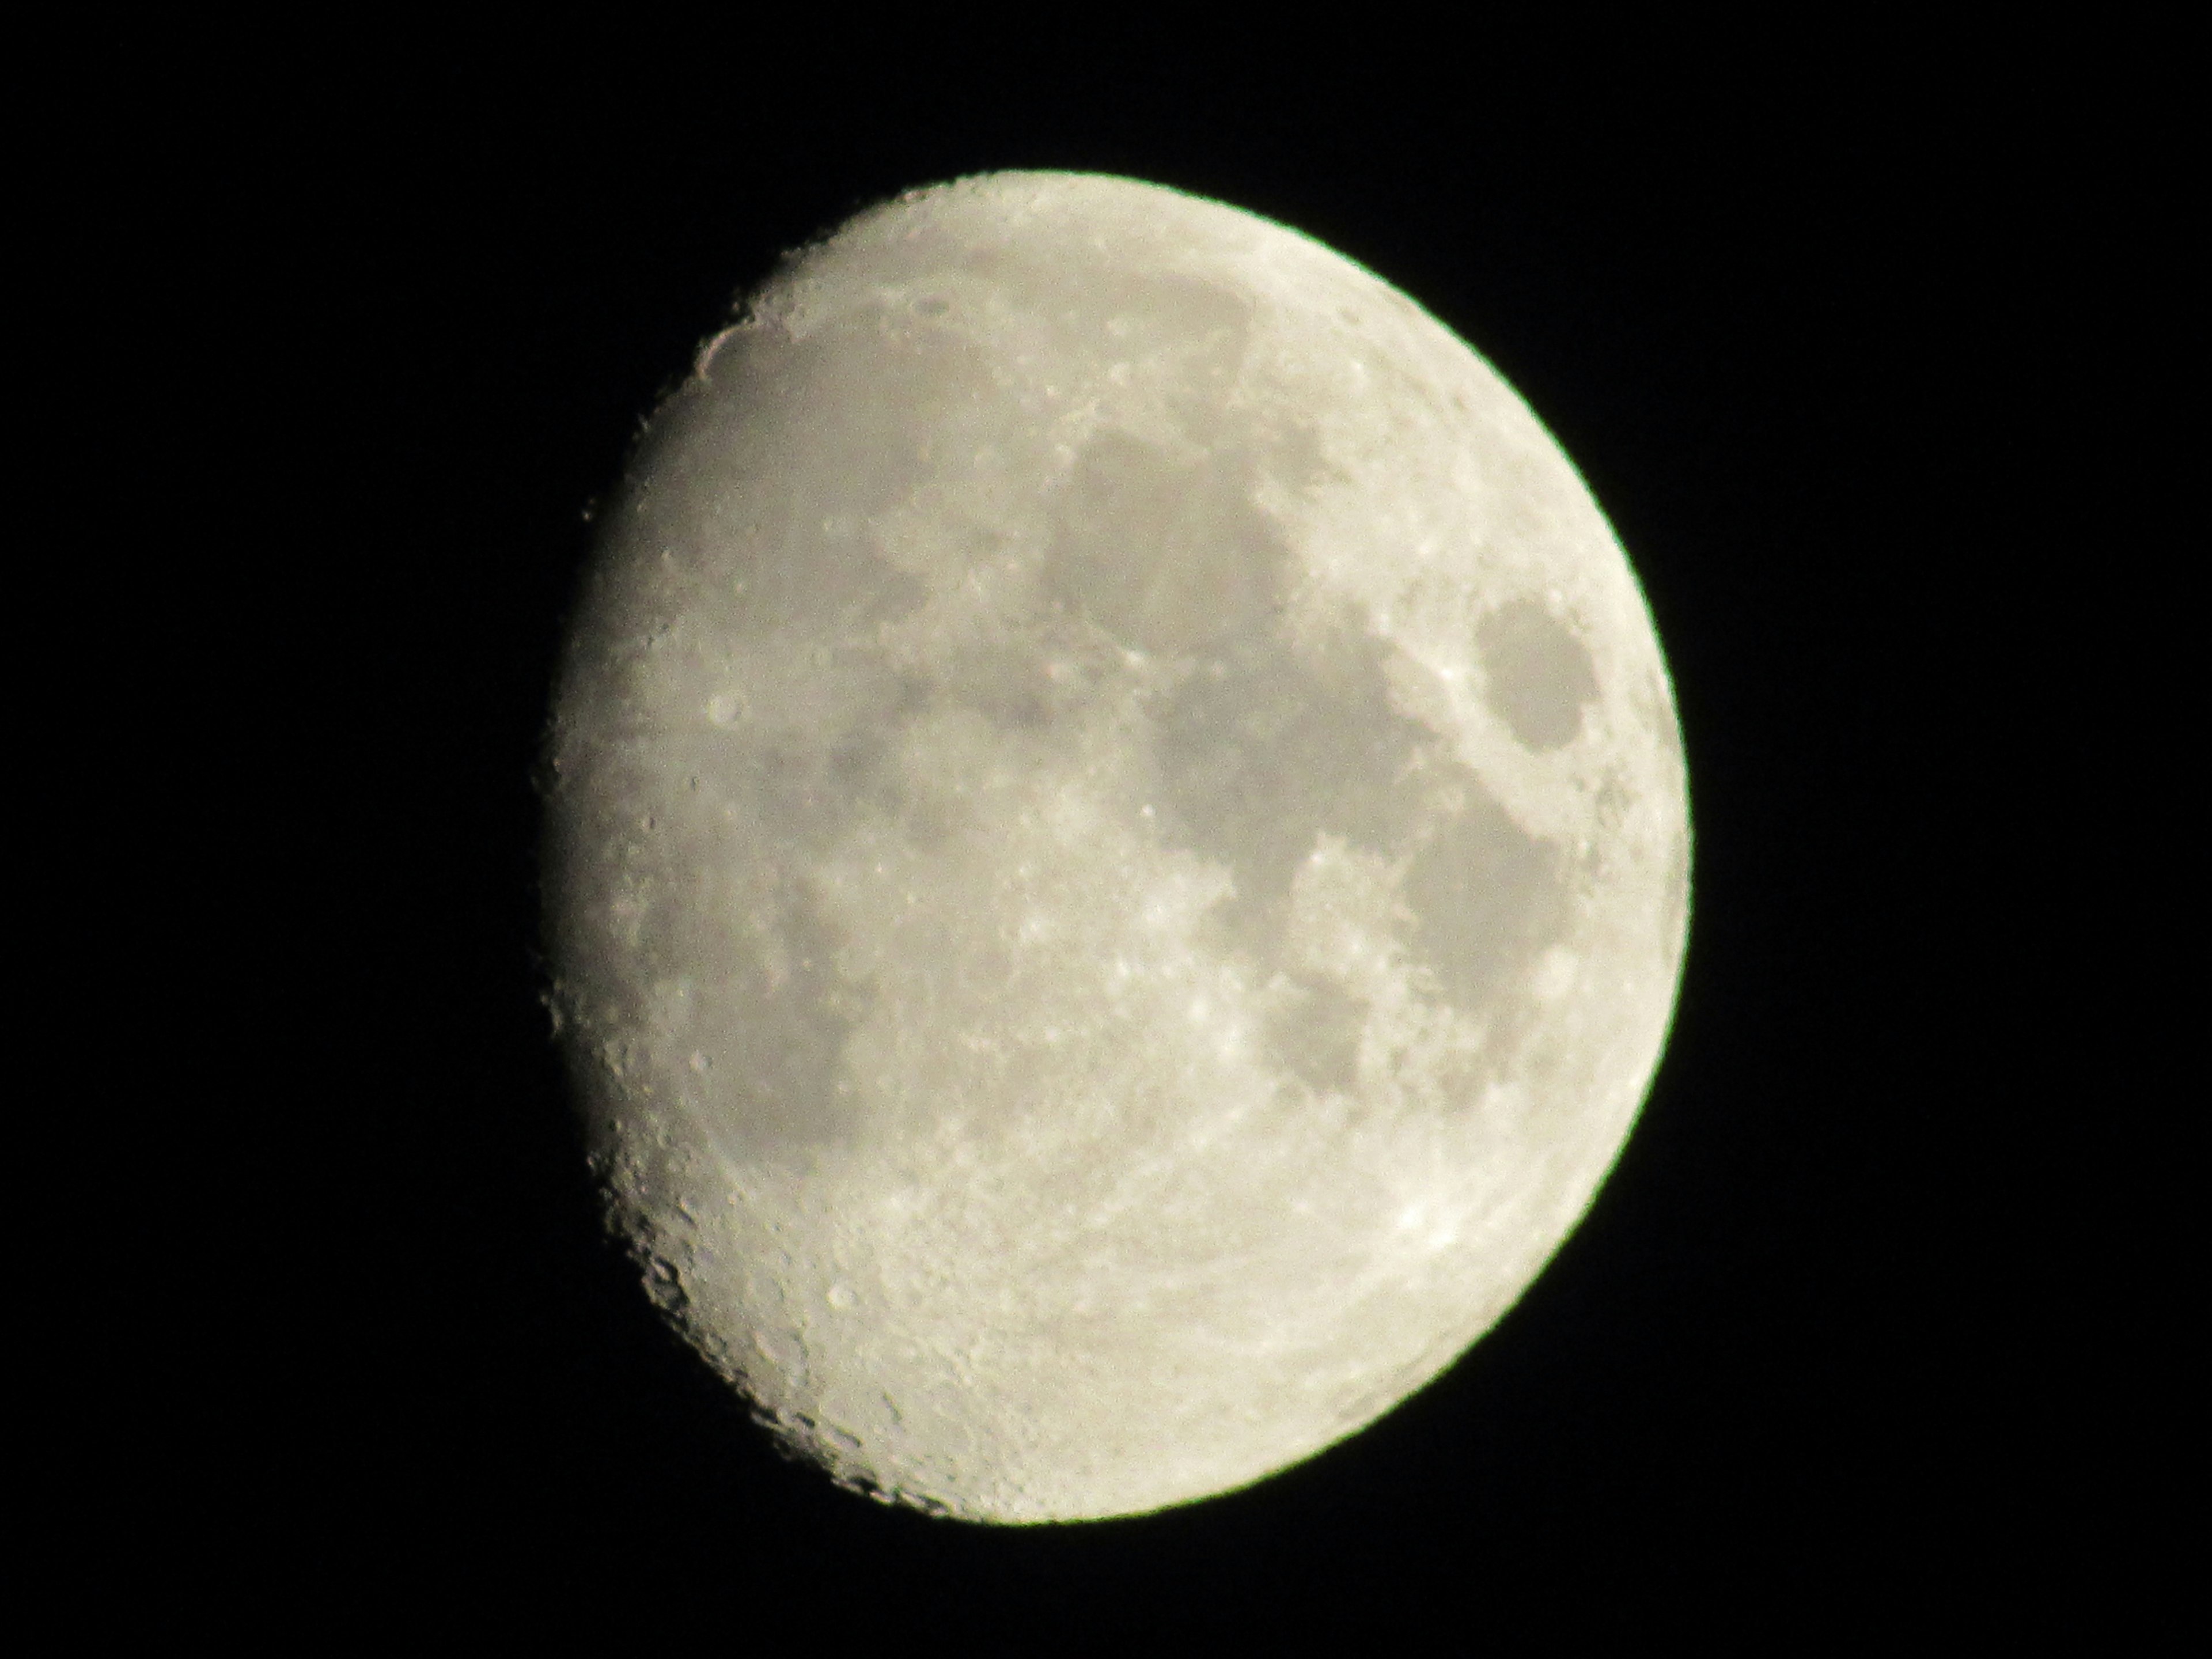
pixel 1117 849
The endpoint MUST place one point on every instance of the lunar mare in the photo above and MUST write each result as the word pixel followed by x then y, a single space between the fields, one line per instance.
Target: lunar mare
pixel 1116 849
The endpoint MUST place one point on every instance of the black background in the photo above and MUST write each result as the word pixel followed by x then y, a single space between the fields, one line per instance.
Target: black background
pixel 1824 1351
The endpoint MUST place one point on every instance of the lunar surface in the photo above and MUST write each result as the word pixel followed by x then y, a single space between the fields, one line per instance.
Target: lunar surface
pixel 1117 849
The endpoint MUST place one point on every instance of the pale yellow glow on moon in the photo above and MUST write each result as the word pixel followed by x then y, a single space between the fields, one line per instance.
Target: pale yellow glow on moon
pixel 1118 855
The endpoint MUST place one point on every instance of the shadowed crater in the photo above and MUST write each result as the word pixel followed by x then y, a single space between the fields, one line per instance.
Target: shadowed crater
pixel 1537 675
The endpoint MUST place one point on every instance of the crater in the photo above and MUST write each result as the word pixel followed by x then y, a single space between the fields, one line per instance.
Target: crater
pixel 1537 676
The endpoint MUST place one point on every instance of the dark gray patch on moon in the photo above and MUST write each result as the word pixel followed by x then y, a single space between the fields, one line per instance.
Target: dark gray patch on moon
pixel 794 1008
pixel 1165 313
pixel 1163 553
pixel 809 796
pixel 1486 899
pixel 1537 675
pixel 1197 331
pixel 764 478
pixel 1262 752
pixel 1316 1035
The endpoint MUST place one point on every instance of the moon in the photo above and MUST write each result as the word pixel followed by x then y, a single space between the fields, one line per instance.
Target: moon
pixel 1117 849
